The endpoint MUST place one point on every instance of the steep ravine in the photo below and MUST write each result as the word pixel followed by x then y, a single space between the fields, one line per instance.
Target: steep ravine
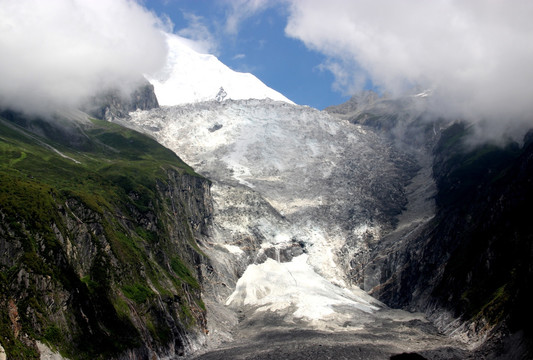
pixel 469 268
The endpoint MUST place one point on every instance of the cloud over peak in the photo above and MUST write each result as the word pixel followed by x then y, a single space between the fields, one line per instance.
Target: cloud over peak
pixel 57 53
pixel 476 55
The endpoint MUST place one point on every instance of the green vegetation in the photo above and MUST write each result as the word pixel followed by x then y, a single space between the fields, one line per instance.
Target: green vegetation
pixel 101 179
pixel 495 310
pixel 121 307
pixel 53 334
pixel 14 347
pixel 183 272
pixel 159 330
pixel 138 293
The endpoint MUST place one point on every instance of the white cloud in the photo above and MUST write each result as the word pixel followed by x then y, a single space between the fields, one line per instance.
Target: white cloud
pixel 203 40
pixel 59 52
pixel 475 54
pixel 240 10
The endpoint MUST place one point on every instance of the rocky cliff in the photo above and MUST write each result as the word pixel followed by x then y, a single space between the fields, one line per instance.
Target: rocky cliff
pixel 115 103
pixel 473 260
pixel 98 241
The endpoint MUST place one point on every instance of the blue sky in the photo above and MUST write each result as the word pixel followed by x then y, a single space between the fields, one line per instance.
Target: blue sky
pixel 259 46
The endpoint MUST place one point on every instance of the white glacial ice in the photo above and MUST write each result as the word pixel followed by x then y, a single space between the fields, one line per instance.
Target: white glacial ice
pixel 275 286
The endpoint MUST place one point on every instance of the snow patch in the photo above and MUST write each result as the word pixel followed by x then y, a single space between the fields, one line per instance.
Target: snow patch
pixel 234 249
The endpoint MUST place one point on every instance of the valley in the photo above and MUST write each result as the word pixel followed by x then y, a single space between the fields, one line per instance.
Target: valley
pixel 301 199
pixel 180 209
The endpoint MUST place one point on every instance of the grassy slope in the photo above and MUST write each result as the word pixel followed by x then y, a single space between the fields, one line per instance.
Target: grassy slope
pixel 100 166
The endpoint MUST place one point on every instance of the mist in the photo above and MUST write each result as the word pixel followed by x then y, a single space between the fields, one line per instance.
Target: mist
pixel 56 54
pixel 475 56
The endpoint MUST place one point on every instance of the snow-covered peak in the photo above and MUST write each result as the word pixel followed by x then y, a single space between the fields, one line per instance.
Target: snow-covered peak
pixel 191 77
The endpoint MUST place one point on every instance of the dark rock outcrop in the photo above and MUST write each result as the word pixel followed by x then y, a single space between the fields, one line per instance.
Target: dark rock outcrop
pixel 115 104
pixel 472 261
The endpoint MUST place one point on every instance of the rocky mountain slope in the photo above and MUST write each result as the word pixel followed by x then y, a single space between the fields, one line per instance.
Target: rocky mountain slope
pixel 114 103
pixel 98 247
pixel 469 266
pixel 473 260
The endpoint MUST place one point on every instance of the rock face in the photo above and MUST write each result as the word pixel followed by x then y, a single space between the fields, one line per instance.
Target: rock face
pixel 98 243
pixel 473 259
pixel 113 104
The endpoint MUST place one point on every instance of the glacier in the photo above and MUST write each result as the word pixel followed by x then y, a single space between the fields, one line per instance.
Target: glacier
pixel 276 286
pixel 286 178
pixel 300 197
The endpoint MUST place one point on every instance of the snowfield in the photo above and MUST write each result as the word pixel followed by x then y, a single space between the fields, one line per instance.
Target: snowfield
pixel 190 77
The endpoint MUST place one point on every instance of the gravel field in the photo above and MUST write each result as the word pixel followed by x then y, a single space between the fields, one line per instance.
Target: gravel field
pixel 260 338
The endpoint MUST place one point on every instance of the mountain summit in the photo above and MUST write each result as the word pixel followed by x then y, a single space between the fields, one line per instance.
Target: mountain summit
pixel 190 77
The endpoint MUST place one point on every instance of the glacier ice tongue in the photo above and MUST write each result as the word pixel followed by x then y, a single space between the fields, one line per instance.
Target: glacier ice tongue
pixel 300 199
pixel 295 289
